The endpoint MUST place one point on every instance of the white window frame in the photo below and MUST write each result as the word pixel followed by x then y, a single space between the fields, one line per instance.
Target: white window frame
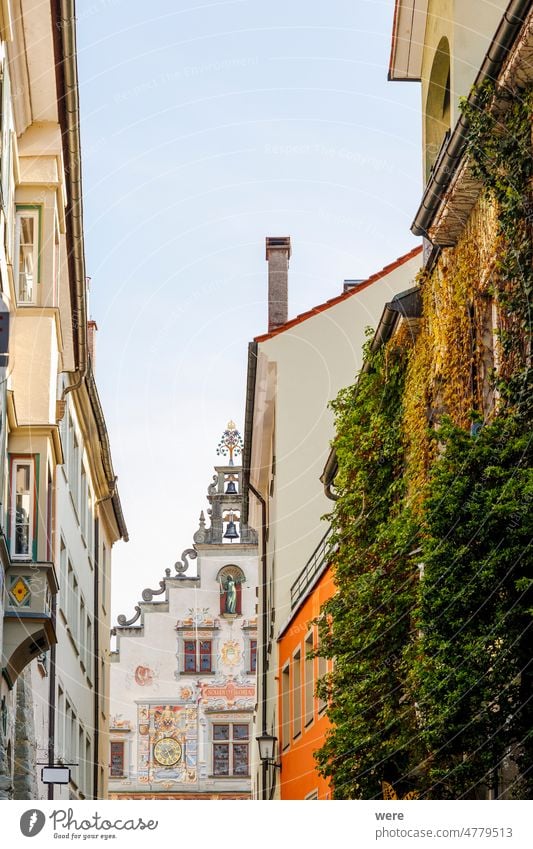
pixel 33 213
pixel 231 742
pixel 17 462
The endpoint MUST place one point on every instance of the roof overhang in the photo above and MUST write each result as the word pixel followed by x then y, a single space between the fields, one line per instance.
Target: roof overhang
pixel 408 33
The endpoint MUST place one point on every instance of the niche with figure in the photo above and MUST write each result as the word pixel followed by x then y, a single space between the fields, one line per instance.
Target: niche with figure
pixel 230 579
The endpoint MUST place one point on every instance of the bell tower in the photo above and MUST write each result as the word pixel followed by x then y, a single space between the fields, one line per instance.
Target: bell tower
pixel 225 498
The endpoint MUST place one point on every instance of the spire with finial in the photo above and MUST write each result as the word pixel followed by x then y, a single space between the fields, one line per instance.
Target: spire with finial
pixel 231 443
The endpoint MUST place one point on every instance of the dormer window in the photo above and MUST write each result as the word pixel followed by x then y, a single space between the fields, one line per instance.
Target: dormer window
pixel 27 254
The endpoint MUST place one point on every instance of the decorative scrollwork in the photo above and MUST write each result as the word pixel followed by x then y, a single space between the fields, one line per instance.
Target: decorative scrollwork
pixel 148 594
pixel 180 566
pixel 123 622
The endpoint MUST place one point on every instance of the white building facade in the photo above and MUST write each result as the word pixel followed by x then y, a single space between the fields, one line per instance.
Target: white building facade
pixel 183 678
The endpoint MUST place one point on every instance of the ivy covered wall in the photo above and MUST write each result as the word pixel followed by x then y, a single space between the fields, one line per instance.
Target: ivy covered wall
pixel 431 689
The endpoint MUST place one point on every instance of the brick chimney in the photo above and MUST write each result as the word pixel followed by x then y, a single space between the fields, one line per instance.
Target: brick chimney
pixel 278 253
pixel 91 341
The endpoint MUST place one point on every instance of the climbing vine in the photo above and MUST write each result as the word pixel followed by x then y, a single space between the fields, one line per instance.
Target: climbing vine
pixel 432 683
pixel 471 665
pixel 366 624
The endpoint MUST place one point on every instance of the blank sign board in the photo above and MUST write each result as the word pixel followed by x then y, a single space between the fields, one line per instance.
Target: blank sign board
pixel 55 775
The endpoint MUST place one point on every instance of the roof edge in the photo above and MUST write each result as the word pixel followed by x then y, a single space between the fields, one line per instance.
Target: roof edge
pixel 388 269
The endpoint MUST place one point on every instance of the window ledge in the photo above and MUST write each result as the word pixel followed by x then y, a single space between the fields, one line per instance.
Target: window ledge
pixel 192 674
pixel 234 777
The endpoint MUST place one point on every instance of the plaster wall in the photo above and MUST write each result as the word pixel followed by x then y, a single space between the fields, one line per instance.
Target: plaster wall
pixel 313 360
pixel 34 355
pixel 469 28
pixel 148 670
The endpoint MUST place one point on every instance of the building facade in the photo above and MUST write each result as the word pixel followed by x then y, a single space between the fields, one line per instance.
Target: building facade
pixel 431 681
pixel 302 712
pixel 60 510
pixel 294 371
pixel 183 677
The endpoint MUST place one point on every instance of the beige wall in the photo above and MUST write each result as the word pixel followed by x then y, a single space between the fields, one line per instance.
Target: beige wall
pixel 469 28
pixel 299 372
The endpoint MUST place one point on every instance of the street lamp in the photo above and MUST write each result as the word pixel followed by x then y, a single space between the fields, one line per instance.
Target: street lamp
pixel 267 749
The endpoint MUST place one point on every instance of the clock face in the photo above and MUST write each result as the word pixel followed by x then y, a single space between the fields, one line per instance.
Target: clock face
pixel 167 751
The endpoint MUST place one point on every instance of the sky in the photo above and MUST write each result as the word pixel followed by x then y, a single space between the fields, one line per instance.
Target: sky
pixel 205 128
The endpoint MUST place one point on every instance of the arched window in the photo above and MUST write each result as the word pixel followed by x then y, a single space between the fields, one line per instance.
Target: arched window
pixel 437 115
pixel 230 579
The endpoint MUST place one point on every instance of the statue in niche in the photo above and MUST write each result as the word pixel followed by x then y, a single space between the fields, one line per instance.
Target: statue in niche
pixel 228 585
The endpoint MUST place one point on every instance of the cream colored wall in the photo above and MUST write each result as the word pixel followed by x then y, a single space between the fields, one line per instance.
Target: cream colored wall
pixel 34 359
pixel 475 27
pixel 313 361
pixel 469 28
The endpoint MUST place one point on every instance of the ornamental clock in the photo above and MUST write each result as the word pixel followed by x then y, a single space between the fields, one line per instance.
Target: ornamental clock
pixel 167 751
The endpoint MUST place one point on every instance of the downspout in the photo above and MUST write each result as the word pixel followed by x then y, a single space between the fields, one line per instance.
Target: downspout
pixel 96 758
pixel 248 486
pixel 52 700
pixel 264 630
pixel 509 27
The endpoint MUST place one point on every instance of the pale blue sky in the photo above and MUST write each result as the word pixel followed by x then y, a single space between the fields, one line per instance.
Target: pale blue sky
pixel 205 128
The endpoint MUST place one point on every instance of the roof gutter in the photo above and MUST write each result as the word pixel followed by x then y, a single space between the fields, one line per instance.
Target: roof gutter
pixel 64 27
pixel 510 25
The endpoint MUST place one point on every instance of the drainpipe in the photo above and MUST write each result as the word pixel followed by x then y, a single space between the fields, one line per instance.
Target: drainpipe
pixel 264 630
pixel 52 700
pixel 96 759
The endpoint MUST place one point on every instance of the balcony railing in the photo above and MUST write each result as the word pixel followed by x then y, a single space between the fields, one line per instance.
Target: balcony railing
pixel 312 570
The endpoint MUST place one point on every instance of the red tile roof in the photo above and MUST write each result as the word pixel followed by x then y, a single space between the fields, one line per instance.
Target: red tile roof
pixel 342 297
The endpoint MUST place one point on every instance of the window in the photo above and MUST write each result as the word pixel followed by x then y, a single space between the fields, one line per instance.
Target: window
pixel 309 692
pixel 72 602
pixel 73 461
pixel 197 655
pixel 63 576
pixel 231 749
pixel 82 633
pixel 57 264
pixel 22 509
pixel 89 649
pixel 285 707
pixel 297 694
pixel 84 496
pixel 88 766
pixel 117 759
pixel 322 671
pixel 26 254
pixel 104 576
pixel 253 655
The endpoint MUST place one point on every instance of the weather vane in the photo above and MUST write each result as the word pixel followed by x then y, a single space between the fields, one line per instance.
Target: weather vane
pixel 231 442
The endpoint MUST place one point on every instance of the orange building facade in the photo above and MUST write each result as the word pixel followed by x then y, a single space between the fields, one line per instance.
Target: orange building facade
pixel 303 720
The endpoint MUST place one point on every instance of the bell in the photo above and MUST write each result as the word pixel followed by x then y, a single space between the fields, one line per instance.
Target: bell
pixel 231 531
pixel 231 489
